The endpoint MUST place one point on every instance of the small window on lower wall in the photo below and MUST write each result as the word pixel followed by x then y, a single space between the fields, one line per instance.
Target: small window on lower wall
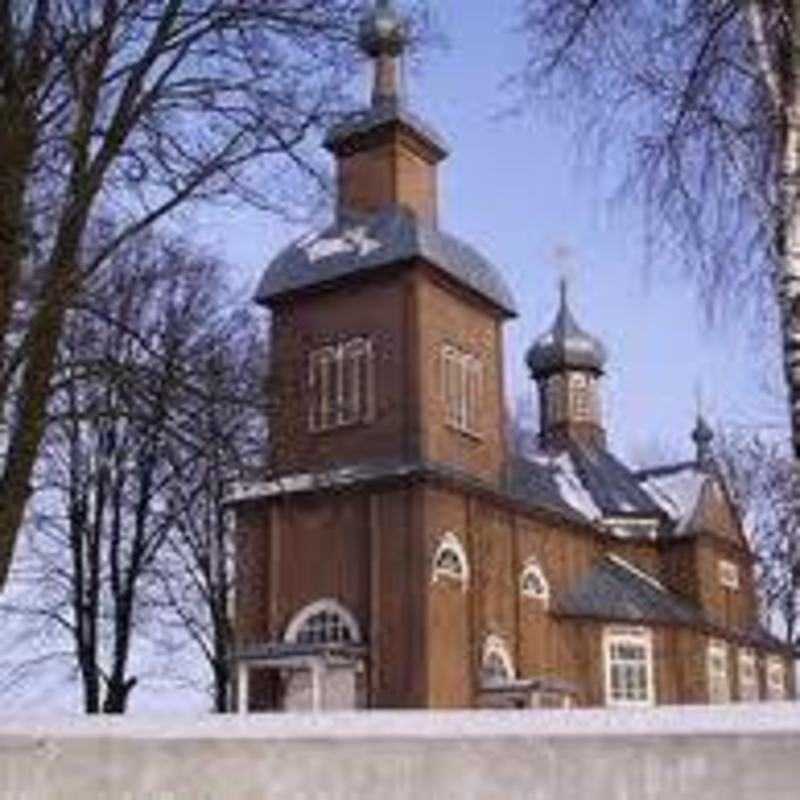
pixel 776 678
pixel 628 655
pixel 748 676
pixel 719 684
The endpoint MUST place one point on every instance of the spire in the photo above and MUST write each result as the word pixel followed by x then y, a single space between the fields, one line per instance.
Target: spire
pixel 703 438
pixel 383 37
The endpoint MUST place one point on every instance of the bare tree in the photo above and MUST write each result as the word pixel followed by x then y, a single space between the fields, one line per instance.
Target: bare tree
pixel 122 448
pixel 703 99
pixel 131 109
pixel 766 486
pixel 229 440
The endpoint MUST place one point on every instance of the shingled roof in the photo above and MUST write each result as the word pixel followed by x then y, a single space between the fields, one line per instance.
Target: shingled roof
pixel 365 244
pixel 616 590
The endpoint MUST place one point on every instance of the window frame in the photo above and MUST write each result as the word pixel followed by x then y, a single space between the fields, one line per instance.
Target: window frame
pixel 747 657
pixel 494 648
pixel 329 365
pixel 532 567
pixel 326 605
pixel 640 637
pixel 728 573
pixel 450 544
pixel 462 377
pixel 715 648
pixel 775 694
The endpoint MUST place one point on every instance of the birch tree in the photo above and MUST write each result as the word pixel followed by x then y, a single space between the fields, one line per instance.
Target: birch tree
pixel 766 486
pixel 703 100
pixel 132 109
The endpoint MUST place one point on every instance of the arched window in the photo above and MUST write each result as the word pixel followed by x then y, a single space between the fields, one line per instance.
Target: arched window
pixel 532 581
pixel 323 622
pixel 496 664
pixel 450 560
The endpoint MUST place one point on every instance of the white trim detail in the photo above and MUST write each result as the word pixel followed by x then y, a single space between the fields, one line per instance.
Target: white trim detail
pixel 654 582
pixel 748 676
pixel 718 669
pixel 628 666
pixel 462 389
pixel 538 587
pixel 728 574
pixel 341 385
pixel 450 560
pixel 497 666
pixel 329 606
pixel 776 678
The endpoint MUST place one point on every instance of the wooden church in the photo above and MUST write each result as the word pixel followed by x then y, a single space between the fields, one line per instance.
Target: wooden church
pixel 398 554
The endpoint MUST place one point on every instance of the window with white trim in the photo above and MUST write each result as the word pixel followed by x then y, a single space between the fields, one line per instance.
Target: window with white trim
pixel 776 678
pixel 341 385
pixel 533 583
pixel 719 684
pixel 628 654
pixel 579 396
pixel 496 664
pixel 462 388
pixel 450 560
pixel 728 574
pixel 323 622
pixel 748 676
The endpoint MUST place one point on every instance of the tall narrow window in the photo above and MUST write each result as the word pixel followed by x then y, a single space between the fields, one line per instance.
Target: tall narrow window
pixel 629 667
pixel 748 676
pixel 341 385
pixel 719 685
pixel 579 391
pixel 776 678
pixel 462 389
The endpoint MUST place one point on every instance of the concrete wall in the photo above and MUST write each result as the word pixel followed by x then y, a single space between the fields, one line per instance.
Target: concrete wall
pixel 731 753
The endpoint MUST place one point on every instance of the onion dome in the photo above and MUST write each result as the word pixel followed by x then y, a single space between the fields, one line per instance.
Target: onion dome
pixel 383 31
pixel 565 346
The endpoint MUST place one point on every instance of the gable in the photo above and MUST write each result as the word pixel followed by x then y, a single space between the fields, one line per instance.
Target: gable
pixel 716 513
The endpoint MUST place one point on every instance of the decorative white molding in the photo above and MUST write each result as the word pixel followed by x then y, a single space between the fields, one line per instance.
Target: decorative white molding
pixel 329 605
pixel 533 583
pixel 495 653
pixel 450 561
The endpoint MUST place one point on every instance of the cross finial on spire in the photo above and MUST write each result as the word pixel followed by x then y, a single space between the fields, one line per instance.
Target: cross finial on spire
pixel 383 37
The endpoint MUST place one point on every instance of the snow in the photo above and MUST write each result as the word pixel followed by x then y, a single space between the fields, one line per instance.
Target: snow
pixel 677 493
pixel 354 240
pixel 568 484
pixel 739 719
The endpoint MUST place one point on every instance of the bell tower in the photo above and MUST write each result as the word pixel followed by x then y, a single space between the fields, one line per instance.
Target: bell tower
pixel 386 156
pixel 567 364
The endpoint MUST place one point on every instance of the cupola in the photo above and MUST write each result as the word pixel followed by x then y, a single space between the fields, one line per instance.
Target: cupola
pixel 567 363
pixel 386 156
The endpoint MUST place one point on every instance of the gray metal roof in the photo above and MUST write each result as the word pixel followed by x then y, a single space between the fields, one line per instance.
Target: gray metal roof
pixel 613 591
pixel 365 244
pixel 585 478
pixel 615 488
pixel 565 346
pixel 362 122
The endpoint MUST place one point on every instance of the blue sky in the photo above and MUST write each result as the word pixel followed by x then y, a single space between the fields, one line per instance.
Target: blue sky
pixel 517 187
